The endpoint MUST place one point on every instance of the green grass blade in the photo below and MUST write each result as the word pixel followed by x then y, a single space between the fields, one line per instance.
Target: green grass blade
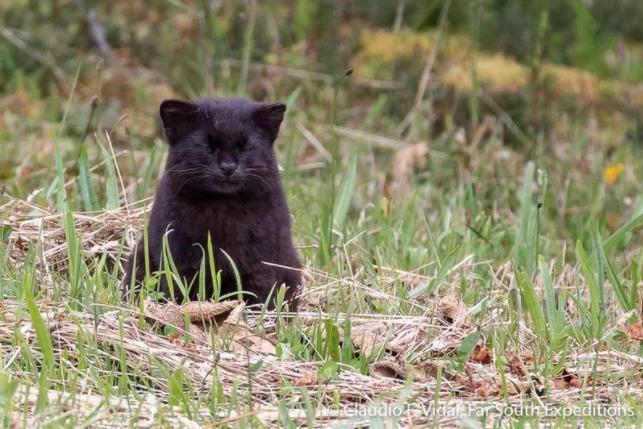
pixel 5 232
pixel 467 346
pixel 74 255
pixel 446 267
pixel 554 306
pixel 113 198
pixel 237 276
pixel 595 294
pixel 621 234
pixel 525 238
pixel 292 98
pixel 345 193
pixel 620 291
pixel 87 192
pixel 61 193
pixel 42 332
pixel 530 298
pixel 216 286
pixel 152 166
pixel 7 390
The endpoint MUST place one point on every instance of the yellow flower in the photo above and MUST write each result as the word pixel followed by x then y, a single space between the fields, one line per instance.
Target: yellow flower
pixel 612 173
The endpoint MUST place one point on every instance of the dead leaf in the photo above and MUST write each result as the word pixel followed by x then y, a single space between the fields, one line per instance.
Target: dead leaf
pixel 439 346
pixel 185 24
pixel 170 314
pixel 387 368
pixel 516 386
pixel 234 333
pixel 405 161
pixel 515 365
pixel 224 318
pixel 481 355
pixel 236 316
pixel 23 104
pixel 308 379
pixel 453 311
pixel 240 339
pixel 576 383
pixel 164 314
pixel 485 390
pixel 174 337
pixel 369 339
pixel 201 311
pixel 635 331
pixel 569 380
pixel 559 383
pixel 431 368
pixel 480 380
pixel 406 341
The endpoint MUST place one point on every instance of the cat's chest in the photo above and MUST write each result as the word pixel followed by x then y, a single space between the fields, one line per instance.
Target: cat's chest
pixel 226 224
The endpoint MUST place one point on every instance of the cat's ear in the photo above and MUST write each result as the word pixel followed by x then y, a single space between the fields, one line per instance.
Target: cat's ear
pixel 269 117
pixel 178 117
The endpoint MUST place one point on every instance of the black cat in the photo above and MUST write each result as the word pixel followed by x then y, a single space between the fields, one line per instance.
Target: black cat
pixel 221 179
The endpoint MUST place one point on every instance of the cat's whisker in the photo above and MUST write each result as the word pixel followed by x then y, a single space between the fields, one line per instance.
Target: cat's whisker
pixel 199 199
pixel 194 169
pixel 259 175
pixel 266 185
pixel 189 179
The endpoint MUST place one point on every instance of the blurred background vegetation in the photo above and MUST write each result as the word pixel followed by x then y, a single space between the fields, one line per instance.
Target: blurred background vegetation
pixel 134 52
pixel 488 84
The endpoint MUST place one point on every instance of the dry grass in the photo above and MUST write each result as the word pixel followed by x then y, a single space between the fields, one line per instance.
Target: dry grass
pixel 410 355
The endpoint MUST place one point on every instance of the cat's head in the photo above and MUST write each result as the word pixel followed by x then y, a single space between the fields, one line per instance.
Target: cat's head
pixel 221 146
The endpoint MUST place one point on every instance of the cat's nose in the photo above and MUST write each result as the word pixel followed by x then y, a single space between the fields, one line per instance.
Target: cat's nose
pixel 228 168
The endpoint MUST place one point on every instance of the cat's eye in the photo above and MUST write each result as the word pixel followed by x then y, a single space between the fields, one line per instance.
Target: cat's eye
pixel 213 143
pixel 242 143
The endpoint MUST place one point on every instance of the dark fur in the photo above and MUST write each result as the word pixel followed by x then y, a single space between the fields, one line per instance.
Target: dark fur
pixel 245 214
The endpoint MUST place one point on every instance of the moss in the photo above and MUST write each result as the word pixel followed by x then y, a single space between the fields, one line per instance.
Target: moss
pixel 383 51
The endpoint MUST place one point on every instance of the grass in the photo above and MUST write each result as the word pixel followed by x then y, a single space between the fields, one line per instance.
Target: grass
pixel 500 281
